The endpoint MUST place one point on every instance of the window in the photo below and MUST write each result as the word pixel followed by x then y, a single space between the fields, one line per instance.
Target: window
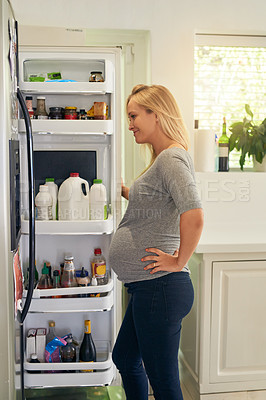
pixel 230 71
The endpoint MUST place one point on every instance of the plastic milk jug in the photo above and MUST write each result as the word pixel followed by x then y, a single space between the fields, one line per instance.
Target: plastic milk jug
pixel 73 199
pixel 43 203
pixel 98 200
pixel 53 190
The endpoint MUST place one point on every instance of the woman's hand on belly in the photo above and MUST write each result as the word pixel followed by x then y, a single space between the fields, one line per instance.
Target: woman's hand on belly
pixel 162 261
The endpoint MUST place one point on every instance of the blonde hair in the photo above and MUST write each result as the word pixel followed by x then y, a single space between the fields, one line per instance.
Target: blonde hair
pixel 158 99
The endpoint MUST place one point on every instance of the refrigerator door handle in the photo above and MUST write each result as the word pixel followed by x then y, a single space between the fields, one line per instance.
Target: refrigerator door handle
pixel 26 307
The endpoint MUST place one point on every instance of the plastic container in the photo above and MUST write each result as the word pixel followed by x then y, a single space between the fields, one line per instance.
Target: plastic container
pixel 68 277
pixel 43 203
pixel 53 190
pixel 73 199
pixel 98 200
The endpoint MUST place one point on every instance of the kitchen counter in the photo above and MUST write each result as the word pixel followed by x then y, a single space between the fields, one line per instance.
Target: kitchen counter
pixel 232 239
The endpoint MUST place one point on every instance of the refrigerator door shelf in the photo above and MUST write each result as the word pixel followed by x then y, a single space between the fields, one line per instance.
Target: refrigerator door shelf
pixel 67 87
pixel 99 378
pixel 53 126
pixel 104 361
pixel 103 375
pixel 72 304
pixel 90 227
pixel 39 293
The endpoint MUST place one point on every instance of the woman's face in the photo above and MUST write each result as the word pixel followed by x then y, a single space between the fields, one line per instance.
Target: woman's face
pixel 142 123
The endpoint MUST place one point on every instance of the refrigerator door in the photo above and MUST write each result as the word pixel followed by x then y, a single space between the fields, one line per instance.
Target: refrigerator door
pixel 9 368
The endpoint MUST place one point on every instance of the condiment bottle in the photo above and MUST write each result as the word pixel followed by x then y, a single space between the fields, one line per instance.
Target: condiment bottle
pixel 40 112
pixel 56 282
pixel 83 280
pixel 29 106
pixel 96 76
pixel 68 278
pixel 98 267
pixel 82 114
pixel 45 281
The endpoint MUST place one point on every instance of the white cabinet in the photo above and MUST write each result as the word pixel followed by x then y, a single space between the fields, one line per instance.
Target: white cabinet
pixel 223 343
pixel 238 325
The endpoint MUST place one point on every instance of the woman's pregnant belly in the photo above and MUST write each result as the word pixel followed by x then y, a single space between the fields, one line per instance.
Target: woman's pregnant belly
pixel 128 247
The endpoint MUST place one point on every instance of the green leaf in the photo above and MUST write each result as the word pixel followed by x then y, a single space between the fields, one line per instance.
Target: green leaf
pixel 248 111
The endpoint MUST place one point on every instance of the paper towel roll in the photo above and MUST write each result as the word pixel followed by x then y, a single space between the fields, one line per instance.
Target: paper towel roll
pixel 204 150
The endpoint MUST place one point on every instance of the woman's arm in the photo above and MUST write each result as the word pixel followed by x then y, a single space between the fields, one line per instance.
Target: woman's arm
pixel 191 225
pixel 124 191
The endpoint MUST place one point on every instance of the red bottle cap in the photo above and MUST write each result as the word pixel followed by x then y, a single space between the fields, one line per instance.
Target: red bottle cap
pixel 97 251
pixel 74 174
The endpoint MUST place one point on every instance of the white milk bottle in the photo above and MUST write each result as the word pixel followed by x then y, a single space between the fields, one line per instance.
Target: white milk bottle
pixel 53 190
pixel 43 203
pixel 73 199
pixel 98 200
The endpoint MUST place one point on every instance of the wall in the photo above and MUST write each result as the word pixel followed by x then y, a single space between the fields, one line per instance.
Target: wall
pixel 172 24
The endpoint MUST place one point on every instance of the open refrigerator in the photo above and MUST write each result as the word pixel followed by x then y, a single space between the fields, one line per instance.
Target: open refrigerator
pixel 92 148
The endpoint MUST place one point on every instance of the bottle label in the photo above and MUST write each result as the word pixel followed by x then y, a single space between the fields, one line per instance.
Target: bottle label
pixel 98 269
pixel 86 370
pixel 44 213
pixel 223 150
pixel 42 117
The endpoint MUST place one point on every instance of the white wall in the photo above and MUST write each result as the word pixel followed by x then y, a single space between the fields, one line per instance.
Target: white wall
pixel 172 24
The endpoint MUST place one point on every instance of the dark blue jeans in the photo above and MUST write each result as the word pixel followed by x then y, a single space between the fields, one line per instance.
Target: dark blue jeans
pixel 148 340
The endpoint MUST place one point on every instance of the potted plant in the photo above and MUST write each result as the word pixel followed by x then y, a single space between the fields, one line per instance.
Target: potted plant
pixel 248 138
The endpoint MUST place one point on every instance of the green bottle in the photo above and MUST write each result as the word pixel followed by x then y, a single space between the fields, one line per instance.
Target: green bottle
pixel 223 146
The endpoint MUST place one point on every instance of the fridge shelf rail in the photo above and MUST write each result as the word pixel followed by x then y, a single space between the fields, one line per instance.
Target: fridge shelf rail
pixel 72 304
pixel 61 126
pixel 40 293
pixel 99 378
pixel 89 227
pixel 67 87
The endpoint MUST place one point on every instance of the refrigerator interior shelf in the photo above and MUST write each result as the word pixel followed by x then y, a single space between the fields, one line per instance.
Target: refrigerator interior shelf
pixel 95 227
pixel 39 293
pixel 53 126
pixel 98 378
pixel 103 361
pixel 72 304
pixel 67 87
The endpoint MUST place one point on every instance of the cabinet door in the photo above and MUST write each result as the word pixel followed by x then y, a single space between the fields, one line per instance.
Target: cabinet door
pixel 238 324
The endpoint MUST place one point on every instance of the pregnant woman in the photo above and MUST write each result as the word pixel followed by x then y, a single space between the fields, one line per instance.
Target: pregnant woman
pixel 152 245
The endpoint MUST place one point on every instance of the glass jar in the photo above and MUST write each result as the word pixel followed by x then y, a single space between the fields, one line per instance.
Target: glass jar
pixel 56 113
pixel 96 76
pixel 40 112
pixel 71 113
pixel 68 277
